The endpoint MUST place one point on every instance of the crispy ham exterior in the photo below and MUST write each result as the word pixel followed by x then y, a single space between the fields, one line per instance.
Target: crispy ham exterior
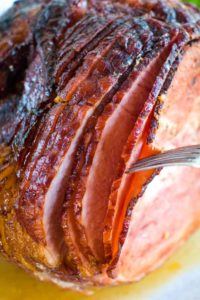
pixel 87 88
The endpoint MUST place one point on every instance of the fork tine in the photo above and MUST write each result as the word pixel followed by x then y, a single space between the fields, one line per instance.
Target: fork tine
pixel 142 167
pixel 154 164
pixel 168 156
pixel 161 165
pixel 184 156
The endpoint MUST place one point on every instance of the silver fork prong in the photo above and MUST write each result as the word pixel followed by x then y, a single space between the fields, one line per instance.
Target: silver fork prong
pixel 192 151
pixel 153 165
pixel 161 165
pixel 184 156
pixel 167 156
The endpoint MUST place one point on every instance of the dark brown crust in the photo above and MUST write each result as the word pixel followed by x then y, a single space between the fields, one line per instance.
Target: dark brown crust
pixel 91 33
pixel 39 83
pixel 16 37
pixel 42 99
pixel 171 12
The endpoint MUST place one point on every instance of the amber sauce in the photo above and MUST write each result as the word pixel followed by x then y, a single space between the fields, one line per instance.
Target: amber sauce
pixel 15 284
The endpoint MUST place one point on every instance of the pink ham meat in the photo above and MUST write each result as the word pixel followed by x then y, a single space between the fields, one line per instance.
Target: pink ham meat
pixel 165 216
pixel 104 83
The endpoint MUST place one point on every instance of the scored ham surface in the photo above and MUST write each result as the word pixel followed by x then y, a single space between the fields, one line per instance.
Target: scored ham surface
pixel 87 87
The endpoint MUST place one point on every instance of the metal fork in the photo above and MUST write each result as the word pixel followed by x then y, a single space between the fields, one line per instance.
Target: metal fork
pixel 184 156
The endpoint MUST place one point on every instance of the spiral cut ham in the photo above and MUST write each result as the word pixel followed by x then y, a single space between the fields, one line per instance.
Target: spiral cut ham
pixel 86 89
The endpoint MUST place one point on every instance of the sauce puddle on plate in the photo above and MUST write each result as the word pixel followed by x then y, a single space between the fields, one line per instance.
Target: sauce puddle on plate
pixel 17 285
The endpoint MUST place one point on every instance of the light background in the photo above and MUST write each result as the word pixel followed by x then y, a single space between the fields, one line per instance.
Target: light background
pixel 5 4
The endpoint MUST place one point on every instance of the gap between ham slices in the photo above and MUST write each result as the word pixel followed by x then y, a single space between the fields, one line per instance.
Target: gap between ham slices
pixel 132 188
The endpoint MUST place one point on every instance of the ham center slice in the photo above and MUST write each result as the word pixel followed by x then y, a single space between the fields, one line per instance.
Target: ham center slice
pixel 54 196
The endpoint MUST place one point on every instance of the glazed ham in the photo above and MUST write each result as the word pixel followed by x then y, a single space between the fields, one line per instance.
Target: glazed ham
pixel 86 89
